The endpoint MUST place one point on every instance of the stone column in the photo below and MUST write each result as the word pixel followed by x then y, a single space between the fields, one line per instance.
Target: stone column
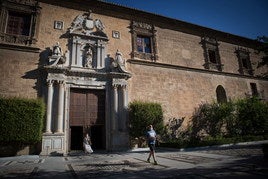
pixel 98 59
pixel 124 106
pixel 49 105
pixel 60 108
pixel 115 108
pixel 74 51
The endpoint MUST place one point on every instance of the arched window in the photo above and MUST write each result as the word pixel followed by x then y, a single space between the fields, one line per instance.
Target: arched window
pixel 221 94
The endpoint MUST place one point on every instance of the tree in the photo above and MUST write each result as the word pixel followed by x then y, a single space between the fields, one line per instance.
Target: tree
pixel 263 49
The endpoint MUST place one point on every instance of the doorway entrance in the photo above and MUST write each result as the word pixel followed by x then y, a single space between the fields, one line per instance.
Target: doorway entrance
pixel 98 139
pixel 76 137
pixel 87 115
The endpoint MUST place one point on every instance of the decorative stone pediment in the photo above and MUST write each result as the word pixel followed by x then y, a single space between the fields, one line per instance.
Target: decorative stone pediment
pixel 84 25
pixel 142 25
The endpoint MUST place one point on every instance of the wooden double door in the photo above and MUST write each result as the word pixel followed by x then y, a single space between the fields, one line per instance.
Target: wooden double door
pixel 87 115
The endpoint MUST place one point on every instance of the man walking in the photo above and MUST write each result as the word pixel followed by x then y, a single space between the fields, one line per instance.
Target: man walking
pixel 151 137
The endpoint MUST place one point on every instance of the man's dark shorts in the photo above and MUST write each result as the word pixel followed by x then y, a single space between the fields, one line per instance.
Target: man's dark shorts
pixel 152 147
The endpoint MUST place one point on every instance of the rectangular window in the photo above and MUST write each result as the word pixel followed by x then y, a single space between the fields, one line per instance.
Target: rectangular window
pixel 245 63
pixel 212 56
pixel 254 89
pixel 144 44
pixel 18 23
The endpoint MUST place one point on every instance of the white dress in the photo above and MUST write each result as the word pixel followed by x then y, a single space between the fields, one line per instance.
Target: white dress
pixel 87 146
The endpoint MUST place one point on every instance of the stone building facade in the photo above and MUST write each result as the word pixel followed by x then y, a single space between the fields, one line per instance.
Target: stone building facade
pixel 89 59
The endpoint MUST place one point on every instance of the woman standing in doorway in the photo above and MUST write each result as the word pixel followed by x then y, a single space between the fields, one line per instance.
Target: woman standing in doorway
pixel 87 144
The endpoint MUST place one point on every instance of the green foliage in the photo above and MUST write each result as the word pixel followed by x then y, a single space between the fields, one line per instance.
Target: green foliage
pixel 252 117
pixel 264 49
pixel 209 119
pixel 215 124
pixel 172 129
pixel 243 117
pixel 21 120
pixel 142 114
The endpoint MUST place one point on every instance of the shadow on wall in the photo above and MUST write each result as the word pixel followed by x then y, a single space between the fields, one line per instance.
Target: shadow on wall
pixel 39 74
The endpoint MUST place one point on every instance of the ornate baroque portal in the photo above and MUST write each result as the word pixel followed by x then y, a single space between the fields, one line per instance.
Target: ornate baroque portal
pixel 85 66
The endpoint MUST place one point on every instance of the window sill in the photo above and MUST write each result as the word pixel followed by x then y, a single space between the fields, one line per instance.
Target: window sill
pixel 245 71
pixel 214 66
pixel 16 39
pixel 145 56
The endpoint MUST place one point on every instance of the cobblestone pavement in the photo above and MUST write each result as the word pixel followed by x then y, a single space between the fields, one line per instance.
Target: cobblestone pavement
pixel 232 162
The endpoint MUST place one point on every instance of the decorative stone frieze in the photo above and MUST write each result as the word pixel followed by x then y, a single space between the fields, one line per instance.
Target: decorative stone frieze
pixel 142 25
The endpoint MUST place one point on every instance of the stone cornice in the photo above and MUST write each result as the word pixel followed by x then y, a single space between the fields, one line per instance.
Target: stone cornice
pixel 177 67
pixel 90 73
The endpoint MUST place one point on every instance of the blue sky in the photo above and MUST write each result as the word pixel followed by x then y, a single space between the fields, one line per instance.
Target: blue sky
pixel 246 18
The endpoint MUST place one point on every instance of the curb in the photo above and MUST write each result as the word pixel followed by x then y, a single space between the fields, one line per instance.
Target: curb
pixel 253 143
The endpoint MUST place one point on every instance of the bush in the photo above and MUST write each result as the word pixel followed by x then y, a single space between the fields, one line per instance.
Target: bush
pixel 252 117
pixel 231 122
pixel 243 117
pixel 142 114
pixel 209 119
pixel 21 120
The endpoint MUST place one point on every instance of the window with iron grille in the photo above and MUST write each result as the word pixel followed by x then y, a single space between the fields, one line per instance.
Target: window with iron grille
pixel 211 54
pixel 143 41
pixel 18 22
pixel 244 62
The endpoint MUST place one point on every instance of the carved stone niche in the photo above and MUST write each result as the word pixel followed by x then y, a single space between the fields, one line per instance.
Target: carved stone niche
pixel 25 32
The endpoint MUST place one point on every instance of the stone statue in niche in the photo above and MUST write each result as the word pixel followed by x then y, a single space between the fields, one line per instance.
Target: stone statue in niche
pixel 119 63
pixel 88 57
pixel 57 57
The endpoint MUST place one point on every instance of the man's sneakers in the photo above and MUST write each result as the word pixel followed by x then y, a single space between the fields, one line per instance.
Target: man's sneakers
pixel 155 162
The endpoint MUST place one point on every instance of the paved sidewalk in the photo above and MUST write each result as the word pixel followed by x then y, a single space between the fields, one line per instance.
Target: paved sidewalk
pixel 232 161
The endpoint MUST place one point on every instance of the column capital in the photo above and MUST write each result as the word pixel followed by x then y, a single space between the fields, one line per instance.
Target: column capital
pixel 61 82
pixel 115 86
pixel 123 86
pixel 50 82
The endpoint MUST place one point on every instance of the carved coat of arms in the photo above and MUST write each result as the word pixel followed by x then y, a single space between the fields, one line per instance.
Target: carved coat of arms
pixel 84 24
